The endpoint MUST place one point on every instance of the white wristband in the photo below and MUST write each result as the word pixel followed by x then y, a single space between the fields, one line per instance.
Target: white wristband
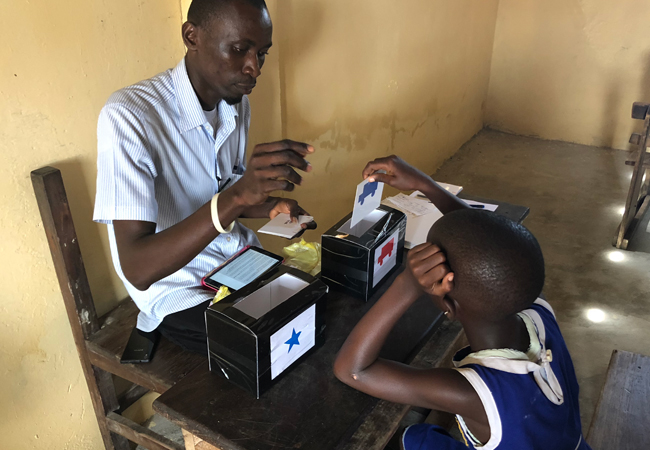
pixel 215 217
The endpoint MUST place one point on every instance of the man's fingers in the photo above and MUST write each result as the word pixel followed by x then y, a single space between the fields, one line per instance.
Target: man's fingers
pixel 287 144
pixel 281 158
pixel 310 225
pixel 294 210
pixel 278 185
pixel 280 173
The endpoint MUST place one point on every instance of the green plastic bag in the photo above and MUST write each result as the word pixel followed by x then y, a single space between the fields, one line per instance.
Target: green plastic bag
pixel 304 256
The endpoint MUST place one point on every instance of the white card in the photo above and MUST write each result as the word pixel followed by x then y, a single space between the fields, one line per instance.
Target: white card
pixel 281 225
pixel 385 258
pixel 292 341
pixel 454 189
pixel 367 199
pixel 414 205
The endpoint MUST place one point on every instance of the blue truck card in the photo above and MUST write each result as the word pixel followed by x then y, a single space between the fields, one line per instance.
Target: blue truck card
pixel 367 199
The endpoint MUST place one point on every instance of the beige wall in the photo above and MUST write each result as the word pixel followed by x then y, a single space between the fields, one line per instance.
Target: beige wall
pixel 369 78
pixel 59 62
pixel 570 69
pixel 356 79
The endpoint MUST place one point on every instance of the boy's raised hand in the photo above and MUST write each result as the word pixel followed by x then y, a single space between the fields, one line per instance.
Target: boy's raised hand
pixel 426 263
pixel 399 174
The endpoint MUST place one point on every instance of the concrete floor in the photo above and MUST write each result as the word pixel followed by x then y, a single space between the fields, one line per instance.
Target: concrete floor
pixel 575 194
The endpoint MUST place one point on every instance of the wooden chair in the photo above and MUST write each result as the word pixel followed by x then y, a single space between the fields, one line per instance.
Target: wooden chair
pixel 623 410
pixel 101 341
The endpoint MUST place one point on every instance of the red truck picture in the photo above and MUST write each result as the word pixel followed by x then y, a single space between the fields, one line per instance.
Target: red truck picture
pixel 387 250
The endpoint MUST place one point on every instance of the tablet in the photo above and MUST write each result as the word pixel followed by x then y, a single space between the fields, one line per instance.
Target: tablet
pixel 242 269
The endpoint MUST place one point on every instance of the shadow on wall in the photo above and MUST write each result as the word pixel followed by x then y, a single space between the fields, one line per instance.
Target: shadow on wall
pixel 310 13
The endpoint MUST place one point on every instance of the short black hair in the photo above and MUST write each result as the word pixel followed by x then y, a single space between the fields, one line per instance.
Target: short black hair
pixel 201 12
pixel 497 263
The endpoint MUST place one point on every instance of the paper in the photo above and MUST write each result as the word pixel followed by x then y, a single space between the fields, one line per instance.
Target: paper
pixel 367 199
pixel 414 205
pixel 454 189
pixel 292 341
pixel 483 206
pixel 417 227
pixel 385 258
pixel 281 225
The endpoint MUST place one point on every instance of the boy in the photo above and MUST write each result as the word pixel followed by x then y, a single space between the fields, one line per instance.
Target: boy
pixel 514 387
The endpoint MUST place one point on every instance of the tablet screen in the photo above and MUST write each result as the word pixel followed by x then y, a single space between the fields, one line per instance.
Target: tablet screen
pixel 243 269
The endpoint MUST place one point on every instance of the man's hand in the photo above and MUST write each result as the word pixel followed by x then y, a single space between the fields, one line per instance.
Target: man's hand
pixel 426 265
pixel 291 207
pixel 271 168
pixel 399 174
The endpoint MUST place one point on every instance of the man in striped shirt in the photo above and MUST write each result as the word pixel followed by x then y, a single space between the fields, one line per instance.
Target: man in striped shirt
pixel 172 177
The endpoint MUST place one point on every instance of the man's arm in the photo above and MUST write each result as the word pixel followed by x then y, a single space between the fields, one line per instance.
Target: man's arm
pixel 401 175
pixel 147 256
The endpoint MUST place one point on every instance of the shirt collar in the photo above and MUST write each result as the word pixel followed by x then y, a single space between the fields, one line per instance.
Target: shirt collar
pixel 189 107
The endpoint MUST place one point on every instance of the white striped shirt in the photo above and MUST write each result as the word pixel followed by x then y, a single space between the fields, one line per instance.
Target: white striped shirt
pixel 159 160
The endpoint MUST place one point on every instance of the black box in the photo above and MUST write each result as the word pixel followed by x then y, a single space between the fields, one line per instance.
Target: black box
pixel 357 259
pixel 253 332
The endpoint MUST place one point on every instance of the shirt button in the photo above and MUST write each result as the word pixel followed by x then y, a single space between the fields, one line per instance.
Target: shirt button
pixel 228 239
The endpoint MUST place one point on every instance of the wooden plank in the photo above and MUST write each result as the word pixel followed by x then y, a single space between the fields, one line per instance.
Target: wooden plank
pixel 132 395
pixel 64 246
pixel 169 364
pixel 195 443
pixel 75 289
pixel 374 429
pixel 623 410
pixel 139 434
pixel 632 200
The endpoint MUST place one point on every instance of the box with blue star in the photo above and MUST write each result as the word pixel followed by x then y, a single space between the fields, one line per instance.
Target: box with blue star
pixel 259 332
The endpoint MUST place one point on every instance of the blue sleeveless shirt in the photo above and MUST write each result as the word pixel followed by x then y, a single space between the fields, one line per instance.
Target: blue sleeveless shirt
pixel 529 405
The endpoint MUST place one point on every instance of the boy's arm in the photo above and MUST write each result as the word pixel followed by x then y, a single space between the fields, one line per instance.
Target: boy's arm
pixel 358 365
pixel 401 175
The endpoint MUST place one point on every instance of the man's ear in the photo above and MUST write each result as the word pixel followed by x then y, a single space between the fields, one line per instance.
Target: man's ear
pixel 190 34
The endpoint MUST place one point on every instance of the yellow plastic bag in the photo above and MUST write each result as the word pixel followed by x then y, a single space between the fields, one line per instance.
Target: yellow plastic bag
pixel 222 293
pixel 304 256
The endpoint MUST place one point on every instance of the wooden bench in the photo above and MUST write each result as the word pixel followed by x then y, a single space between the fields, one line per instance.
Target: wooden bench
pixel 622 417
pixel 100 341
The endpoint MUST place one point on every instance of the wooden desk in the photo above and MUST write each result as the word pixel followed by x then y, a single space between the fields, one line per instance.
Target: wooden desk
pixel 309 408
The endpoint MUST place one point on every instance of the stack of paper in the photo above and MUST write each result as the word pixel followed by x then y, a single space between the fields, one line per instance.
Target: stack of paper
pixel 282 226
pixel 421 214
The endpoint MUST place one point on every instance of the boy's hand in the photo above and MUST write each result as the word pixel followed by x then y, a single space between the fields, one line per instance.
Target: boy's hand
pixel 426 263
pixel 399 174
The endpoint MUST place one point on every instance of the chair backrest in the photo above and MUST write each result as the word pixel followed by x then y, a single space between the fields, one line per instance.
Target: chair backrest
pixel 64 246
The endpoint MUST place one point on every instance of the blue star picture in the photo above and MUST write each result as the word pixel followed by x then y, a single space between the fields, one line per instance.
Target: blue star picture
pixel 294 339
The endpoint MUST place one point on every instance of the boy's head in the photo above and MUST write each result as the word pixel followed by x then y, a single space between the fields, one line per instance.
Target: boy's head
pixel 497 264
